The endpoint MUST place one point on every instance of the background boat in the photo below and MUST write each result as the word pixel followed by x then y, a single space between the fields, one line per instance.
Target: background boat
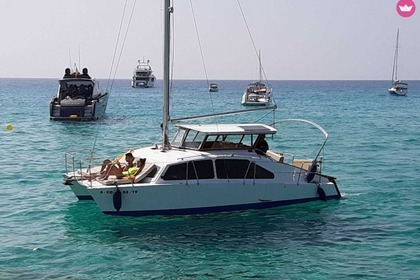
pixel 143 76
pixel 78 98
pixel 257 93
pixel 398 87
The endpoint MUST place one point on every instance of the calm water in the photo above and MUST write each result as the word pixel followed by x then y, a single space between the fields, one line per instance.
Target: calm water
pixel 373 150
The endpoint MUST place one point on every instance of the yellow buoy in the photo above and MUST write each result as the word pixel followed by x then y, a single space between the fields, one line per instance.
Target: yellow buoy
pixel 9 127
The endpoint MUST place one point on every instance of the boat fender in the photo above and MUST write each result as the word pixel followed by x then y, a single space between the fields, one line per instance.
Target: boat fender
pixel 321 194
pixel 311 172
pixel 117 199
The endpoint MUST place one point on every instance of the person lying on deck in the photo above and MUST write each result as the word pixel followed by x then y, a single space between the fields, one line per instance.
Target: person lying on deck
pixel 130 170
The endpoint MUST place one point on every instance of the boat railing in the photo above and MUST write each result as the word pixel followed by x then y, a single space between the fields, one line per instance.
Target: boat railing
pixel 79 163
pixel 303 164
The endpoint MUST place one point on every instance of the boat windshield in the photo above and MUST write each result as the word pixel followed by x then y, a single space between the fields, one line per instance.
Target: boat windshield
pixel 190 139
pixel 76 88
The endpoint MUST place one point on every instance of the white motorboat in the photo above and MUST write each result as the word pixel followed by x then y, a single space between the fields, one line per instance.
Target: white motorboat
pixel 257 93
pixel 398 87
pixel 205 168
pixel 213 87
pixel 143 76
pixel 78 98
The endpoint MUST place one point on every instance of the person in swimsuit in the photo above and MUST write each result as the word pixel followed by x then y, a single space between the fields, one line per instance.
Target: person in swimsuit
pixel 132 172
pixel 130 169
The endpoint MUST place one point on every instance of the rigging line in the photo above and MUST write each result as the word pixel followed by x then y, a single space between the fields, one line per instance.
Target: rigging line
pixel 94 145
pixel 273 110
pixel 70 57
pixel 252 39
pixel 202 56
pixel 116 45
pixel 123 44
pixel 199 42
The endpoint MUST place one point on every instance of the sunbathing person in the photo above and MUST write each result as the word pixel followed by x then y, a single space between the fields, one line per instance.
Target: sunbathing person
pixel 129 170
pixel 115 165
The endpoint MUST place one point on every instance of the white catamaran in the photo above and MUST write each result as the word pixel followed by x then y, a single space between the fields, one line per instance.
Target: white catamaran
pixel 205 168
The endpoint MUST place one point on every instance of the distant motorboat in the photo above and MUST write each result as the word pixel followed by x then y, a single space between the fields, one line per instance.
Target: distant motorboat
pixel 398 87
pixel 78 98
pixel 214 87
pixel 143 76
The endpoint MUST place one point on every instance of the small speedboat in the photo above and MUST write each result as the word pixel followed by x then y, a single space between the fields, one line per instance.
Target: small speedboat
pixel 214 87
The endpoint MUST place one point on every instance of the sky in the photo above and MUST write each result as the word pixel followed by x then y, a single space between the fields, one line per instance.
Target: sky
pixel 298 40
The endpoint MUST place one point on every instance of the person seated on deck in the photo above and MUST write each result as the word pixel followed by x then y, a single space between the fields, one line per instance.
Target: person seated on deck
pixel 85 73
pixel 130 169
pixel 262 146
pixel 67 73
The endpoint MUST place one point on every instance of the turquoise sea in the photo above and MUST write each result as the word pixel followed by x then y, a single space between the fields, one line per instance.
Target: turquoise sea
pixel 373 149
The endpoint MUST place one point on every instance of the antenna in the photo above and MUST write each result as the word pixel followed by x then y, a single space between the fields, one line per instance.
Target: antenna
pixel 69 58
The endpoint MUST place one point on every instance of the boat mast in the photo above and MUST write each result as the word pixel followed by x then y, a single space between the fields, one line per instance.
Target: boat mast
pixel 259 61
pixel 167 9
pixel 395 68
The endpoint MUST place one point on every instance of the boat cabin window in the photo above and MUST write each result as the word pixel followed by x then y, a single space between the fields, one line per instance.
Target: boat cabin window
pixel 177 140
pixel 188 139
pixel 193 139
pixel 240 169
pixel 220 142
pixel 249 140
pixel 76 89
pixel 200 169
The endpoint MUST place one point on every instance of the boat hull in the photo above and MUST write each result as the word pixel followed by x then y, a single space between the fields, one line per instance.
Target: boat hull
pixel 398 91
pixel 143 81
pixel 200 198
pixel 78 110
pixel 80 191
pixel 142 84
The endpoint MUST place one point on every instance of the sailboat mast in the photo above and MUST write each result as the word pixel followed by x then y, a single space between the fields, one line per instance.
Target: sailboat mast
pixel 396 54
pixel 259 61
pixel 395 65
pixel 166 72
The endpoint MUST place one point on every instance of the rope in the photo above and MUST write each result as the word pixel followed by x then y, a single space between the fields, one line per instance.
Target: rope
pixel 202 56
pixel 122 47
pixel 199 43
pixel 112 65
pixel 252 39
pixel 116 44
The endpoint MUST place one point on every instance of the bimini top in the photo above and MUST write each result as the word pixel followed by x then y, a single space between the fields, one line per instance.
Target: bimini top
pixel 233 129
pixel 220 136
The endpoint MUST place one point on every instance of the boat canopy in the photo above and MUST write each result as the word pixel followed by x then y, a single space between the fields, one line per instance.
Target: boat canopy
pixel 234 129
pixel 220 136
